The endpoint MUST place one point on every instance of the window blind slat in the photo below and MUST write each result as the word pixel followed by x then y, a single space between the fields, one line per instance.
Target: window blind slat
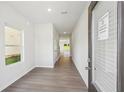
pixel 105 51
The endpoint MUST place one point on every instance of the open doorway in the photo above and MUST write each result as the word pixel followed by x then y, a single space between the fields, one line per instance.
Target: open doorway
pixel 65 46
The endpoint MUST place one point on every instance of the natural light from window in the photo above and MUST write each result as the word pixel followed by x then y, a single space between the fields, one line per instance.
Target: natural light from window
pixel 12 45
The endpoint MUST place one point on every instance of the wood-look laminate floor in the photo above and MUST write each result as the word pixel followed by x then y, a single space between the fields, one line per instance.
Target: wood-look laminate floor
pixel 63 78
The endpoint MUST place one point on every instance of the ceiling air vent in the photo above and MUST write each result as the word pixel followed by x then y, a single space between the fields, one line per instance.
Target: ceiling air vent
pixel 64 12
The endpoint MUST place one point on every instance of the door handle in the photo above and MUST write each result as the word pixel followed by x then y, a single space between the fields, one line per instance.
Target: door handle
pixel 87 68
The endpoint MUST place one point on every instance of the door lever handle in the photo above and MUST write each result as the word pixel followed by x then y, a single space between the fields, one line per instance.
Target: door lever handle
pixel 87 68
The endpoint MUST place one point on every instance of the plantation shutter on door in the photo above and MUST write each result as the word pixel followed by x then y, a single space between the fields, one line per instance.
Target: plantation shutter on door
pixel 105 45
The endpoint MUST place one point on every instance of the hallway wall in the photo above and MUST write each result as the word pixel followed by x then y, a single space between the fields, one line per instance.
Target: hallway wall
pixel 44 45
pixel 45 35
pixel 10 73
pixel 56 48
pixel 79 43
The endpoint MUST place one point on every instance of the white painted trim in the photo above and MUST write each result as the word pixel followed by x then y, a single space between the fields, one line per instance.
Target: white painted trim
pixel 57 59
pixel 18 77
pixel 46 66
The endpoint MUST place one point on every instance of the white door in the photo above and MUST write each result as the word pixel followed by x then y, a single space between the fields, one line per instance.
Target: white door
pixel 104 49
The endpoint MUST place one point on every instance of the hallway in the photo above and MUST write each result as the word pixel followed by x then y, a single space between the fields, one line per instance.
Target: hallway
pixel 63 78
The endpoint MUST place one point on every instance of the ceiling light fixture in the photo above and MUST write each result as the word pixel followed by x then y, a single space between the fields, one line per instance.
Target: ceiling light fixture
pixel 27 23
pixel 49 9
pixel 65 32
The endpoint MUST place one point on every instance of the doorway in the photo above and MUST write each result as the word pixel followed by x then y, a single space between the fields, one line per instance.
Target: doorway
pixel 103 46
pixel 64 44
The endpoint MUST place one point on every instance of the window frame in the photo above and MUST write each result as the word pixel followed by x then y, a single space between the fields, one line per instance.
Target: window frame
pixel 21 46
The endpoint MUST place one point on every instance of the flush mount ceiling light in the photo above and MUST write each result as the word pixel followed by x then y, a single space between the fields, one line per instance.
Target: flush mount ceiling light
pixel 65 32
pixel 49 9
pixel 27 23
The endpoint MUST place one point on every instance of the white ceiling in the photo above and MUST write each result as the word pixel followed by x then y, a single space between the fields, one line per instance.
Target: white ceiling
pixel 36 12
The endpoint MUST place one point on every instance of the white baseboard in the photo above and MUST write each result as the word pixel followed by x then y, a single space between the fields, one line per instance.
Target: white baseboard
pixel 46 66
pixel 18 77
pixel 57 59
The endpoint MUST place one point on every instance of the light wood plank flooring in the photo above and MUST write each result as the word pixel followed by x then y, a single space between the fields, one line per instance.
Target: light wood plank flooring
pixel 63 78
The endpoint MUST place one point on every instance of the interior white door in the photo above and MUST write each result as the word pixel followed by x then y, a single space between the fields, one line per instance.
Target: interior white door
pixel 104 41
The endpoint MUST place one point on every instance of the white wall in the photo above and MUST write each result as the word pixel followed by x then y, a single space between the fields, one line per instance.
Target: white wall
pixel 44 45
pixel 10 73
pixel 80 45
pixel 56 48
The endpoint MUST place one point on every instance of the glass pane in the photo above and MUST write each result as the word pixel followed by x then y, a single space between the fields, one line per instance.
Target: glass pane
pixel 12 45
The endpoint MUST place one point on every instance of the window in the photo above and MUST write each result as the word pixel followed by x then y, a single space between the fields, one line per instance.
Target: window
pixel 13 42
pixel 66 47
pixel 65 44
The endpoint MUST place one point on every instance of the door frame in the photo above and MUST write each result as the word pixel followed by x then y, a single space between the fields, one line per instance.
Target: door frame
pixel 91 86
pixel 120 47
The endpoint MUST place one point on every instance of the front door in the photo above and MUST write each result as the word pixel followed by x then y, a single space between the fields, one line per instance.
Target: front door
pixel 103 46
